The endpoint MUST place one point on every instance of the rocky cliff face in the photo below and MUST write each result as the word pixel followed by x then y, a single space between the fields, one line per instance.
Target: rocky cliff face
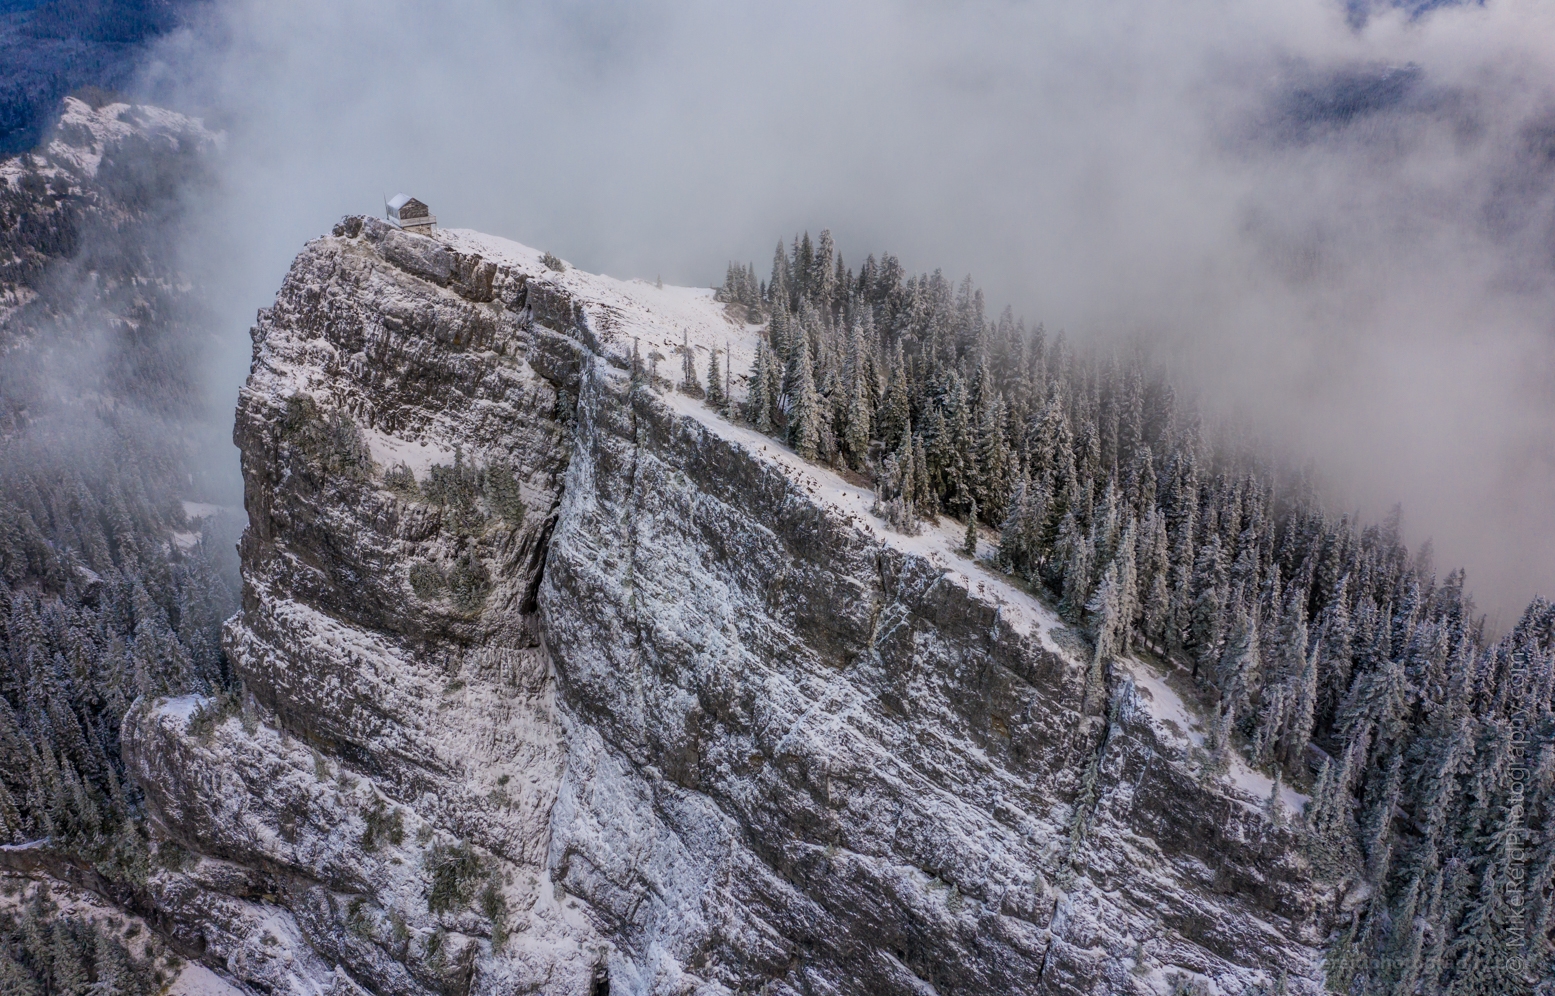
pixel 554 681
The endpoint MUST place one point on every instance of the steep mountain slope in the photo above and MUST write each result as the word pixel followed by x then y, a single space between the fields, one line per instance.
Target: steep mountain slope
pixel 51 47
pixel 556 681
pixel 98 192
pixel 111 558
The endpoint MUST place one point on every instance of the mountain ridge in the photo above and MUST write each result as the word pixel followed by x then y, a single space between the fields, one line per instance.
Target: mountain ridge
pixel 716 684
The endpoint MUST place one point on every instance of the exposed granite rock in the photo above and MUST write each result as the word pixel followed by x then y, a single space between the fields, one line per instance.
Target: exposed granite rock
pixel 689 721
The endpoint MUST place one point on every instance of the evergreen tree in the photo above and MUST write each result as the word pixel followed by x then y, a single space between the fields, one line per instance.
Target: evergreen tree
pixel 994 459
pixel 779 287
pixel 804 415
pixel 822 283
pixel 1078 556
pixel 924 495
pixel 1237 669
pixel 1208 613
pixel 954 453
pixel 1296 732
pixel 1020 538
pixel 760 403
pixel 1378 825
pixel 894 422
pixel 858 417
pixel 688 370
pixel 715 387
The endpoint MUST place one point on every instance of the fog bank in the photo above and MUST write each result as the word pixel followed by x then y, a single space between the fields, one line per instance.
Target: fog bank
pixel 1345 234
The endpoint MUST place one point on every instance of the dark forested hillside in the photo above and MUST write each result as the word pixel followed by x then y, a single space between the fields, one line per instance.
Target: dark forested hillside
pixel 46 950
pixel 1326 651
pixel 49 48
pixel 108 589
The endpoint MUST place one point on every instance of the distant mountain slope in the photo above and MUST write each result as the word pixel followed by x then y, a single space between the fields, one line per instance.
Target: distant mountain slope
pixel 52 48
pixel 97 190
pixel 109 577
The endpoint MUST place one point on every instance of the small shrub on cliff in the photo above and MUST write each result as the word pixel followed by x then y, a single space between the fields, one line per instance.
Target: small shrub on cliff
pixel 170 855
pixel 330 444
pixel 553 263
pixel 399 934
pixel 458 490
pixel 358 919
pixel 495 906
pixel 1183 985
pixel 434 949
pixel 469 495
pixel 382 824
pixel 469 583
pixel 565 411
pixel 426 580
pixel 202 725
pixel 503 495
pixel 401 480
pixel 455 873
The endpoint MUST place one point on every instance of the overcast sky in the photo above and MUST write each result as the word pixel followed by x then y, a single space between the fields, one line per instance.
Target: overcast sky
pixel 1343 234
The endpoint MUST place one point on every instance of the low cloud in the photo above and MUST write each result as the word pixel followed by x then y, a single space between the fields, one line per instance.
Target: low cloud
pixel 1345 235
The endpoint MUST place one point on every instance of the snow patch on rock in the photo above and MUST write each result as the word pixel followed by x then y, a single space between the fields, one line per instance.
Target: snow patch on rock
pixel 197 980
pixel 420 455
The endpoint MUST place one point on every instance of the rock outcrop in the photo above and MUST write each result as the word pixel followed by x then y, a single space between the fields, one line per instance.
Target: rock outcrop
pixel 555 681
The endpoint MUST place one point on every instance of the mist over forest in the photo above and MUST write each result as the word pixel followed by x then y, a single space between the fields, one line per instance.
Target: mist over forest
pixel 1334 223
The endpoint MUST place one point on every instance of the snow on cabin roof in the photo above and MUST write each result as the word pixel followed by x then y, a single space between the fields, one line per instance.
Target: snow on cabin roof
pixel 405 207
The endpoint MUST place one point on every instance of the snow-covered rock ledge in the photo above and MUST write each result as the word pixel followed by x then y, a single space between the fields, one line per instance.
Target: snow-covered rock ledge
pixel 655 703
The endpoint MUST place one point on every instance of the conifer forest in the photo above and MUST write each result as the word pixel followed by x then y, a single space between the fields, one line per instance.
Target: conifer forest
pixel 1325 650
pixel 103 604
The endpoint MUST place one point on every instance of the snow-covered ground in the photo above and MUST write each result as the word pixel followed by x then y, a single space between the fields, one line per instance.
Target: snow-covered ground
pixel 1174 718
pixel 85 134
pixel 418 454
pixel 113 123
pixel 197 980
pixel 659 318
pixel 197 512
pixel 1165 705
pixel 1258 785
pixel 940 543
pixel 182 706
pixel 203 510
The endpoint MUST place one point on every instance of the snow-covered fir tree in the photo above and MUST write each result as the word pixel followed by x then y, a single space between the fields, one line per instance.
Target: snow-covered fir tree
pixel 1325 650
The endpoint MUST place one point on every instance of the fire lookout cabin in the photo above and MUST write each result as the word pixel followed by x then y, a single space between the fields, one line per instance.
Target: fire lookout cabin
pixel 405 212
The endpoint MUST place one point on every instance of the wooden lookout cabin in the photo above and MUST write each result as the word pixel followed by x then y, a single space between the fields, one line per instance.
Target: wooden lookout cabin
pixel 404 211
